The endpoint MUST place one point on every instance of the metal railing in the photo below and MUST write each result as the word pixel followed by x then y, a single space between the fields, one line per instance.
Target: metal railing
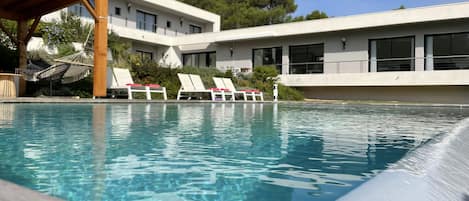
pixel 454 62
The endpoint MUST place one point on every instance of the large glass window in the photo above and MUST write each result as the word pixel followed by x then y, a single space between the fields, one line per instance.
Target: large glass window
pixel 268 57
pixel 146 21
pixel 144 55
pixel 447 51
pixel 205 59
pixel 194 29
pixel 392 54
pixel 307 59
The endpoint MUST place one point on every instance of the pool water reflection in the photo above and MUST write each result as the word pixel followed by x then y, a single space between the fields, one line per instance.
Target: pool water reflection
pixel 208 151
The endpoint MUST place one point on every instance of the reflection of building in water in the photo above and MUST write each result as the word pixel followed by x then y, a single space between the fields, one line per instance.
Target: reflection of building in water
pixel 7 115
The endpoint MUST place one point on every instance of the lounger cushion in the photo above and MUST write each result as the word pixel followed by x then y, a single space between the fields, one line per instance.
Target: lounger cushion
pixel 251 90
pixel 219 89
pixel 154 86
pixel 135 85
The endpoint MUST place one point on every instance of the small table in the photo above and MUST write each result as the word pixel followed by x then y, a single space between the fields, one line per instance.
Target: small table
pixel 8 85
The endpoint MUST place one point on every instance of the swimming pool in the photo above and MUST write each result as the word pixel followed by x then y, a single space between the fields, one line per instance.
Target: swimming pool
pixel 208 151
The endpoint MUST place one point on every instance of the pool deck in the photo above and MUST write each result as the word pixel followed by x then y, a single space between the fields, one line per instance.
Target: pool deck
pixel 13 192
pixel 65 100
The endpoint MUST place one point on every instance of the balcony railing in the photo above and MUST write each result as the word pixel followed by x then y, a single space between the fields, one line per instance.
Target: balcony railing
pixel 454 62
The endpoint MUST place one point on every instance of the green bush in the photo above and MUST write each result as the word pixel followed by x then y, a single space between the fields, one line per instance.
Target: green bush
pixel 263 79
pixel 288 93
pixel 8 59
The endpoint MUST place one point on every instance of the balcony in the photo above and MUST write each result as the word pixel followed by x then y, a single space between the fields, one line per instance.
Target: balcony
pixel 440 71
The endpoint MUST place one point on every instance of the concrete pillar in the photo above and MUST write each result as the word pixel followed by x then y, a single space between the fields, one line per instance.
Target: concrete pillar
pixel 285 59
pixel 419 52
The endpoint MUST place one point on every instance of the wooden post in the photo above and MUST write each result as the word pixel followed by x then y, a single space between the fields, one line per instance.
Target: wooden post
pixel 100 48
pixel 22 32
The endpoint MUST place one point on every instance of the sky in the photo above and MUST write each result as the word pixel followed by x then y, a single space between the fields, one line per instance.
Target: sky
pixel 350 7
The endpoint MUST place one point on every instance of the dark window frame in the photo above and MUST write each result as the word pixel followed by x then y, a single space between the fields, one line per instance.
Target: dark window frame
pixel 390 38
pixel 145 15
pixel 290 56
pixel 439 34
pixel 278 65
pixel 207 58
pixel 193 27
pixel 141 53
pixel 117 11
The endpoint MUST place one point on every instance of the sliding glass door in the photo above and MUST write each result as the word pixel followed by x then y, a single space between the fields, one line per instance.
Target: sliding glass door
pixel 307 59
pixel 447 51
pixel 268 57
pixel 392 54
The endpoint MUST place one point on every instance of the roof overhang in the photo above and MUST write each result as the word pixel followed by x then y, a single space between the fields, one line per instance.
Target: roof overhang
pixel 29 9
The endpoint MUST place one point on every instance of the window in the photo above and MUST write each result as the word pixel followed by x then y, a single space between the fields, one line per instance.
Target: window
pixel 307 59
pixel 447 51
pixel 80 10
pixel 194 29
pixel 204 59
pixel 268 57
pixel 146 21
pixel 117 11
pixel 145 56
pixel 392 54
pixel 168 24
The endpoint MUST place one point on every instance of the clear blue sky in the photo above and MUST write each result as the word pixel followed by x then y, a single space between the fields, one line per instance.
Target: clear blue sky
pixel 350 7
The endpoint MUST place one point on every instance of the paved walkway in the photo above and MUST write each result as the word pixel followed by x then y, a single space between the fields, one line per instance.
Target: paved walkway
pixel 137 101
pixel 13 192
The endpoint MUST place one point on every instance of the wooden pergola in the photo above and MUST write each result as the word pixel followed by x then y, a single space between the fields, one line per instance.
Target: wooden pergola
pixel 26 10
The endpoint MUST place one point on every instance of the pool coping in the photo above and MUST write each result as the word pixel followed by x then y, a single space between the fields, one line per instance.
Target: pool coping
pixel 74 100
pixel 13 192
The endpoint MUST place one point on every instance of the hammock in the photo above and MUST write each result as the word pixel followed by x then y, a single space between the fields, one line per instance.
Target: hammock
pixel 68 69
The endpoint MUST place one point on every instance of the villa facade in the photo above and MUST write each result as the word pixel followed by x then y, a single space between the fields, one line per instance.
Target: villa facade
pixel 418 54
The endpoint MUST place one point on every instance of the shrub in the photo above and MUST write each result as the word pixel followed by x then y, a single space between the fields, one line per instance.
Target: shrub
pixel 8 59
pixel 263 79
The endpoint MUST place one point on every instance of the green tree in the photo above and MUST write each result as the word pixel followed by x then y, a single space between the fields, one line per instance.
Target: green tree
pixel 247 13
pixel 315 15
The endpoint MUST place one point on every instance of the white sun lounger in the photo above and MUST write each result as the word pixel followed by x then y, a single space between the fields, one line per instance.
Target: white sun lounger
pixel 193 84
pixel 120 78
pixel 253 93
pixel 221 85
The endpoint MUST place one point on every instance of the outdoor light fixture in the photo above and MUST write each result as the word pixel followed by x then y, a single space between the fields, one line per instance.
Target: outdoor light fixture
pixel 181 21
pixel 344 43
pixel 231 51
pixel 129 5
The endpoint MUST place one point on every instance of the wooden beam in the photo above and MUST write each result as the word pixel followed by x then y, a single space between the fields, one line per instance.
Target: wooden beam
pixel 4 29
pixel 100 49
pixel 32 28
pixel 8 15
pixel 90 8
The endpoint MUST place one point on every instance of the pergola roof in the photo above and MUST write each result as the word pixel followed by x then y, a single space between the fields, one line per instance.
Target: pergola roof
pixel 29 9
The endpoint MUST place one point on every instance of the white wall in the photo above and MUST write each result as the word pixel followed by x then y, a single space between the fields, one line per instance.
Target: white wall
pixel 353 59
pixel 129 14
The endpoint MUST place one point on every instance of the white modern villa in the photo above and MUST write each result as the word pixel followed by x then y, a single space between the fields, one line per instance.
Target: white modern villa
pixel 418 54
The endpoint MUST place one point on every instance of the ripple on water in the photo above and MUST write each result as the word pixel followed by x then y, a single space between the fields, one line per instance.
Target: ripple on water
pixel 208 151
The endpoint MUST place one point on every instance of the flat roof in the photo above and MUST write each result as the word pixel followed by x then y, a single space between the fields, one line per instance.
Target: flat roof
pixel 29 9
pixel 387 18
pixel 184 10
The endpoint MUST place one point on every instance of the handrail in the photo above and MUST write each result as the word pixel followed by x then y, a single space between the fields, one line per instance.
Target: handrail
pixel 459 62
pixel 390 59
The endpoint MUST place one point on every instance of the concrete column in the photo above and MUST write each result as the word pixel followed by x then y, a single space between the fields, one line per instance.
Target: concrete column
pixel 419 52
pixel 285 59
pixel 100 48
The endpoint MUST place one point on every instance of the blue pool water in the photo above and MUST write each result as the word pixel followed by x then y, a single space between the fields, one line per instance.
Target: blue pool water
pixel 248 152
